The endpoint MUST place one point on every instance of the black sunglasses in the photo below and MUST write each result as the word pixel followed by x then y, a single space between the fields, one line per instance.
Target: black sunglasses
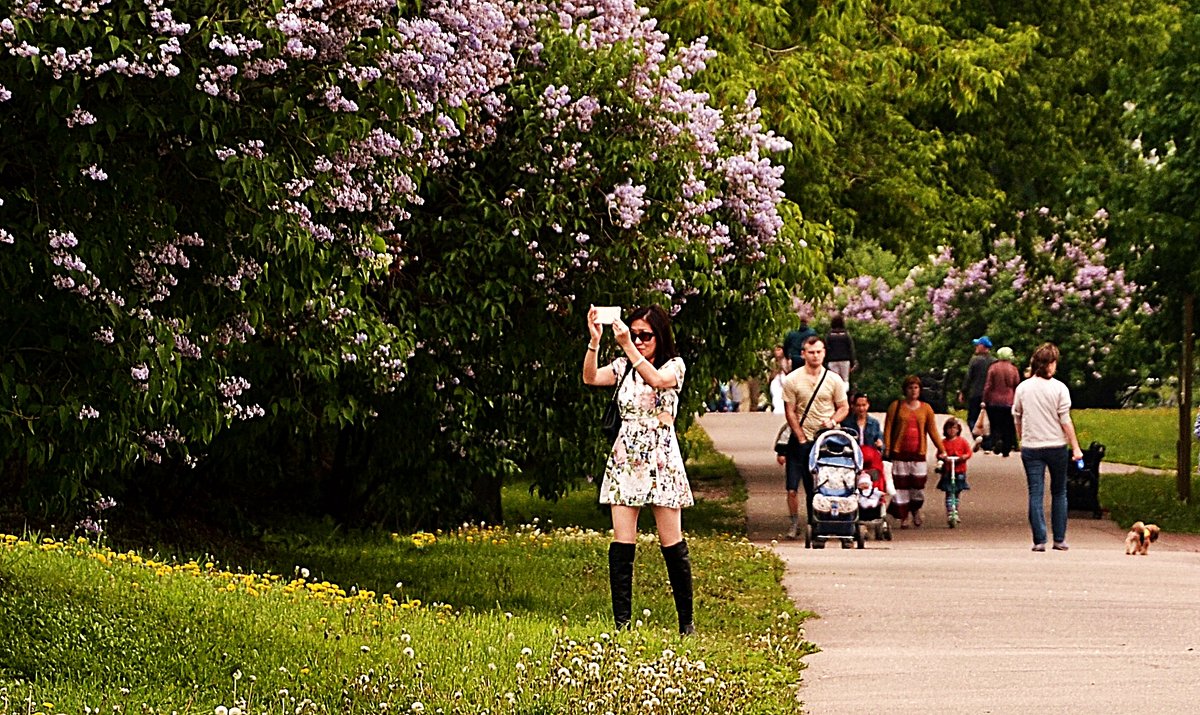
pixel 643 337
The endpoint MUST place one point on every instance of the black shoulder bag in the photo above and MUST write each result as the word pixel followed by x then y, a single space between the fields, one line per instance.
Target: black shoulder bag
pixel 610 421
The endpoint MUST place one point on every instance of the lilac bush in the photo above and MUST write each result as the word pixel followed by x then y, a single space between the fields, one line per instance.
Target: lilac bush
pixel 215 217
pixel 1047 280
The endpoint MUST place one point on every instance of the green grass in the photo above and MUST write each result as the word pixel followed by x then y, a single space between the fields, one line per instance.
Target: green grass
pixel 1150 498
pixel 527 628
pixel 1145 437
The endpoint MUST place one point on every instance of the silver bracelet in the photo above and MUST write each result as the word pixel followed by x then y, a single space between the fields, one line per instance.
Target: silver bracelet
pixel 640 360
pixel 593 347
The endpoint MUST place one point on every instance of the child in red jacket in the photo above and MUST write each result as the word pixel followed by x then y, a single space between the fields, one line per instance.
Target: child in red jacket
pixel 955 446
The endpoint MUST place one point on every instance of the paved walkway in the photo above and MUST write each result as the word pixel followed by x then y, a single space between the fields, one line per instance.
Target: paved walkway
pixel 970 620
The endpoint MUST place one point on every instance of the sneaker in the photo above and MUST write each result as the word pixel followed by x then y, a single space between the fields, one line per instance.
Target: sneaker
pixel 793 530
pixel 978 444
pixel 1060 546
pixel 1039 547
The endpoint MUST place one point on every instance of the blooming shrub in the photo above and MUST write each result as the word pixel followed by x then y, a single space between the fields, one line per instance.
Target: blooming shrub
pixel 297 227
pixel 1048 280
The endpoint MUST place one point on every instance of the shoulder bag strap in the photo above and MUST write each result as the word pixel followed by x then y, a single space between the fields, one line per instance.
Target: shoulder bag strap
pixel 895 415
pixel 811 397
pixel 621 381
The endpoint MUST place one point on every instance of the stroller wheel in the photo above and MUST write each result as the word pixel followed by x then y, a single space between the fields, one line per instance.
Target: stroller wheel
pixel 860 542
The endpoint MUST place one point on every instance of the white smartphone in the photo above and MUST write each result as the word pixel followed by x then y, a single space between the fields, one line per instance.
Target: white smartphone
pixel 608 314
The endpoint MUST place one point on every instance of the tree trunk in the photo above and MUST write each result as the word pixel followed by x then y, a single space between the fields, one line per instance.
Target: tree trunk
pixel 486 505
pixel 1183 456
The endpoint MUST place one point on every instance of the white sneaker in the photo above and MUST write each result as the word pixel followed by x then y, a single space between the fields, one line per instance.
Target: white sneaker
pixel 793 530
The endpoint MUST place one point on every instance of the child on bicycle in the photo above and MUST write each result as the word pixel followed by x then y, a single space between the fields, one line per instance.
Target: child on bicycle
pixel 956 446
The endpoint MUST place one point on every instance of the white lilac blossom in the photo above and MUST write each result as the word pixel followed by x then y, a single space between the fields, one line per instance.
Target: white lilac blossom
pixel 625 204
pixel 94 173
pixel 80 117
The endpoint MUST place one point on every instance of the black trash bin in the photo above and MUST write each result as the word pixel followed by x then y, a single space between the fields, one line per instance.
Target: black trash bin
pixel 1083 485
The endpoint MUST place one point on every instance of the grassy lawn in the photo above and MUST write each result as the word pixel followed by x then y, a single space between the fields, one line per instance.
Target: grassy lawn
pixel 1144 437
pixel 511 619
pixel 1150 498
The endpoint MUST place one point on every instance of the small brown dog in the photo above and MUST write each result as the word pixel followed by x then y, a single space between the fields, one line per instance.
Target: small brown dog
pixel 1140 537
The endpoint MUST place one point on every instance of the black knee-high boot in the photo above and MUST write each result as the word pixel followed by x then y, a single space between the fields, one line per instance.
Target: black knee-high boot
pixel 679 571
pixel 620 581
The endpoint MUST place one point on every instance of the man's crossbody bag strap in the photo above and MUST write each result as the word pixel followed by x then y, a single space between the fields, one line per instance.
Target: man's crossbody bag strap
pixel 811 397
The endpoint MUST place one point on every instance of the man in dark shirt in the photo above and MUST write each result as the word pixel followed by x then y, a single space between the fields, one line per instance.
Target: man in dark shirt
pixel 793 342
pixel 972 386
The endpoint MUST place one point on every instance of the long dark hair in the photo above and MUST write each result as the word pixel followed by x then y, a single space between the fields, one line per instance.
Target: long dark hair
pixel 660 323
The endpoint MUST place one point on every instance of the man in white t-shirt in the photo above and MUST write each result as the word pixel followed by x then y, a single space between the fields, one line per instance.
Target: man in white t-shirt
pixel 1042 416
pixel 810 383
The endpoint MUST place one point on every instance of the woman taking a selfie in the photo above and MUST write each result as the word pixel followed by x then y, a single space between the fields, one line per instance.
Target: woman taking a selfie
pixel 645 467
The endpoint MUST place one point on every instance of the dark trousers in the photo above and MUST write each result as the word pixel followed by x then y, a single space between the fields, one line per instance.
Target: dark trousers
pixel 798 473
pixel 1004 430
pixel 974 407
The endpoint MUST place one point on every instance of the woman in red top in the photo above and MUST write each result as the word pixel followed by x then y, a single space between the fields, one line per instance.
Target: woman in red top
pixel 909 421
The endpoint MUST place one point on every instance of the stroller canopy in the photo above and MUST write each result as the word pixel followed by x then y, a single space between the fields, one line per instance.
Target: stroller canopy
pixel 835 448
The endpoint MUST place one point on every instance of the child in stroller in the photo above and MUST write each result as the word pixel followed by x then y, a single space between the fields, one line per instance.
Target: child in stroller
pixel 873 496
pixel 870 499
pixel 835 462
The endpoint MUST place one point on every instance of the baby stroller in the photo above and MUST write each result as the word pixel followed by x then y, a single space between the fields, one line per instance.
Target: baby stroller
pixel 835 463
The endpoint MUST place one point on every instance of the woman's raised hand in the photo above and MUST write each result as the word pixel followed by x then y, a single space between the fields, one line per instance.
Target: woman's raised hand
pixel 621 333
pixel 595 330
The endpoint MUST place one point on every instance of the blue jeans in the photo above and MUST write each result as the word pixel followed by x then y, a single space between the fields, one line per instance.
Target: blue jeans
pixel 1036 462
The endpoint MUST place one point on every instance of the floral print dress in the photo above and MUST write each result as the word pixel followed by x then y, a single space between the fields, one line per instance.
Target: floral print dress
pixel 646 466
